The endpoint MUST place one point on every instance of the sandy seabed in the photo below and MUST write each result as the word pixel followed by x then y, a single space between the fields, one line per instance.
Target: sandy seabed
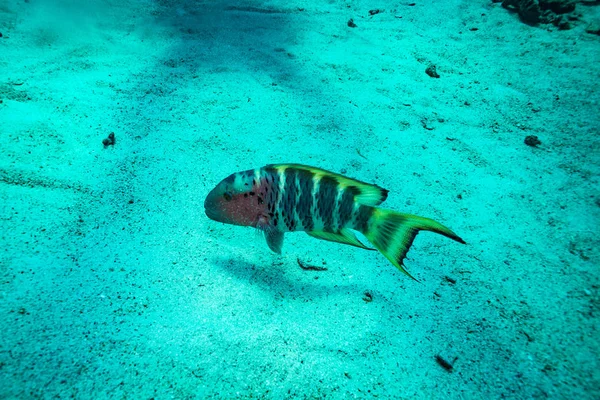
pixel 114 284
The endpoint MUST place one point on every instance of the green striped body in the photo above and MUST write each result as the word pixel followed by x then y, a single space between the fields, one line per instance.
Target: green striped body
pixel 308 199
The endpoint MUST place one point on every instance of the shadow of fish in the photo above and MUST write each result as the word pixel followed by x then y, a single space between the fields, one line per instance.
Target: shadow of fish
pixel 290 197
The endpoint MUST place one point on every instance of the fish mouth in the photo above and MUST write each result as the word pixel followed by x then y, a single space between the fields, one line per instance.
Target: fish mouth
pixel 209 207
pixel 212 210
pixel 212 214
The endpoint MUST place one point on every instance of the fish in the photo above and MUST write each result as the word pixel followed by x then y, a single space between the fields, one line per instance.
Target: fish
pixel 282 198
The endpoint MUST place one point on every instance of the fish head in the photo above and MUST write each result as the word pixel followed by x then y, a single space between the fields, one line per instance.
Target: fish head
pixel 235 200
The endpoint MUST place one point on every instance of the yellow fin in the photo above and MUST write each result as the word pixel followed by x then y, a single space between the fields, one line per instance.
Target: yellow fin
pixel 368 194
pixel 392 233
pixel 346 236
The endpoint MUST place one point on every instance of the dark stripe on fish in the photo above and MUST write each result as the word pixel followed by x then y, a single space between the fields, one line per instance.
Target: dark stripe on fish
pixel 305 202
pixel 230 179
pixel 346 206
pixel 270 179
pixel 326 197
pixel 411 235
pixel 386 232
pixel 363 215
pixel 288 202
pixel 247 175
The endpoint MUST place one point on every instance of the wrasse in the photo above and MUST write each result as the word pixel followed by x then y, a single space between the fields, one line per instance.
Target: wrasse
pixel 290 197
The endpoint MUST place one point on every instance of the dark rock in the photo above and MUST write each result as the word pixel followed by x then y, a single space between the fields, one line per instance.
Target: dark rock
pixel 532 141
pixel 563 24
pixel 541 11
pixel 558 6
pixel 529 10
pixel 432 71
pixel 594 29
pixel 110 140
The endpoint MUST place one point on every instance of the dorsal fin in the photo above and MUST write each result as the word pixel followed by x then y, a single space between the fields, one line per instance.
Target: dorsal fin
pixel 367 193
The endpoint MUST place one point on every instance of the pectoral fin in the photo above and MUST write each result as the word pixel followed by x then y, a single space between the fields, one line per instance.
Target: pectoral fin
pixel 274 239
pixel 345 236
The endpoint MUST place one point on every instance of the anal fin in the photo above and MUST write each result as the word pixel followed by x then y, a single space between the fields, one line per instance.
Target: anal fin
pixel 345 236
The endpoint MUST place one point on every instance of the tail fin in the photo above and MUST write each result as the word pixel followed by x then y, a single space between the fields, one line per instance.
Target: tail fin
pixel 392 233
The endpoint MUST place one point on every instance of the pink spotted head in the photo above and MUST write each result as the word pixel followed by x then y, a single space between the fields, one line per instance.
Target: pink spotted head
pixel 236 200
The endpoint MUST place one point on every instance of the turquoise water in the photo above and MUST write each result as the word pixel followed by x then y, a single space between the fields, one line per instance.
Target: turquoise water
pixel 115 284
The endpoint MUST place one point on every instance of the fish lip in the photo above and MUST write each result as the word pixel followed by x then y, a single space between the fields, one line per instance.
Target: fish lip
pixel 211 212
pixel 212 215
pixel 209 206
pixel 208 210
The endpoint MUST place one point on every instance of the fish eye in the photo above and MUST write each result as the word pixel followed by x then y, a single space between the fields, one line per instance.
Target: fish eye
pixel 227 196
